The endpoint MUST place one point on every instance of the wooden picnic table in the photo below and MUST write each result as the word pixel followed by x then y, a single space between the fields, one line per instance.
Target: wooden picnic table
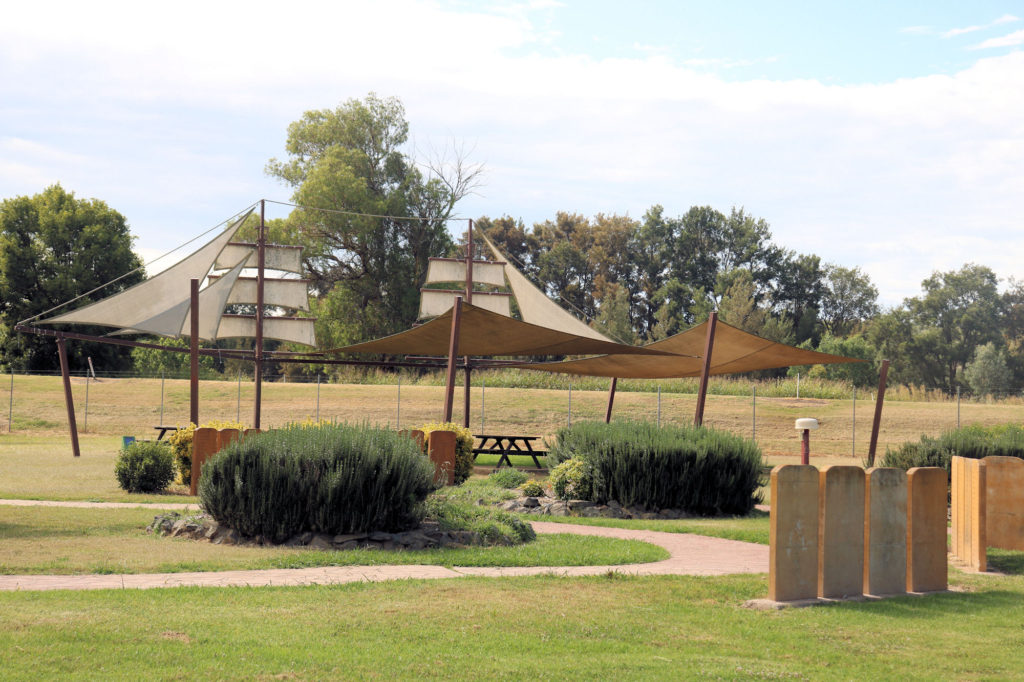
pixel 496 444
pixel 163 430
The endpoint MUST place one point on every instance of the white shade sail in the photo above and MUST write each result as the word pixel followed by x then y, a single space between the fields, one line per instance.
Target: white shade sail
pixel 454 270
pixel 276 256
pixel 292 329
pixel 285 293
pixel 150 301
pixel 434 302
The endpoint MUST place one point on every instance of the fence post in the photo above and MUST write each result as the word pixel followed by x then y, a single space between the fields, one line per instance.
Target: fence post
pixel 398 409
pixel 659 406
pixel 161 397
pixel 10 408
pixel 483 390
pixel 85 421
pixel 318 397
pixel 853 434
pixel 798 385
pixel 958 407
pixel 753 413
pixel 238 403
pixel 569 422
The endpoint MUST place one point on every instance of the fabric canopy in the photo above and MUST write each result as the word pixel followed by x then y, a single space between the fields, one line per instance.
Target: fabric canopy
pixel 734 351
pixel 483 333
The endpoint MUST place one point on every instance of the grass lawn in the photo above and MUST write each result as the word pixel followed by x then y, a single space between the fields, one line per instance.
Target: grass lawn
pixel 542 627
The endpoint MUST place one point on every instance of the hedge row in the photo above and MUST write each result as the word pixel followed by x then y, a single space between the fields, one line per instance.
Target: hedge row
pixel 697 469
pixel 974 442
pixel 331 479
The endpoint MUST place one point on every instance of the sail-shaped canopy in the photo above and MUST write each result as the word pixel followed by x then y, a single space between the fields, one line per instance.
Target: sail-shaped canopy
pixel 536 308
pixel 454 270
pixel 435 302
pixel 734 351
pixel 149 303
pixel 484 333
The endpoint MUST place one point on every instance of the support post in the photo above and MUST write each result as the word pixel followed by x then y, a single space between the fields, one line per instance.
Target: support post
pixel 85 417
pixel 398 406
pixel 161 397
pixel 10 406
pixel 702 394
pixel 453 351
pixel 659 406
pixel 569 419
pixel 753 413
pixel 261 251
pixel 318 397
pixel 193 353
pixel 853 431
pixel 611 400
pixel 62 352
pixel 469 299
pixel 882 376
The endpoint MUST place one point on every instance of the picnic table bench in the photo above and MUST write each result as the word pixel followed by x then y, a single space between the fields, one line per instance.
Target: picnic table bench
pixel 163 430
pixel 494 444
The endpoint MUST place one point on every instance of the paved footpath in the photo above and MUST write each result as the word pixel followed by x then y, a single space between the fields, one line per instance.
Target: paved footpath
pixel 690 555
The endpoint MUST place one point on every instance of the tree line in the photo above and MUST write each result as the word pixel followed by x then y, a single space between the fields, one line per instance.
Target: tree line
pixel 373 214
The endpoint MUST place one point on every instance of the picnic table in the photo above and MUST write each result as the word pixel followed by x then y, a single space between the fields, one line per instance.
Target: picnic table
pixel 163 430
pixel 495 444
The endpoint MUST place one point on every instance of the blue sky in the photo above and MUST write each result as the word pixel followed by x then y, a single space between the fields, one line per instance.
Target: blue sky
pixel 888 136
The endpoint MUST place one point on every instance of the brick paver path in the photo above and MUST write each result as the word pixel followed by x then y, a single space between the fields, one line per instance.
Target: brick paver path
pixel 690 555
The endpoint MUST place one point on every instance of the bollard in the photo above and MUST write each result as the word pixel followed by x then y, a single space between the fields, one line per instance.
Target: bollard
pixel 806 425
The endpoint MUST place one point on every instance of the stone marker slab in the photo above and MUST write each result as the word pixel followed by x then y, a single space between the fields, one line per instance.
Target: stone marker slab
pixel 205 443
pixel 841 532
pixel 1004 502
pixel 927 567
pixel 885 531
pixel 442 454
pixel 793 558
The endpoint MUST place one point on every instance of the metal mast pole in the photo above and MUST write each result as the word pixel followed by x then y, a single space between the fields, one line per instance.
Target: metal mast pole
pixel 883 375
pixel 261 251
pixel 62 352
pixel 611 400
pixel 453 351
pixel 469 299
pixel 709 344
pixel 193 352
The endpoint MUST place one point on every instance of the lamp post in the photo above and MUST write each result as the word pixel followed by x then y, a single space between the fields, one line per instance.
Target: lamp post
pixel 806 425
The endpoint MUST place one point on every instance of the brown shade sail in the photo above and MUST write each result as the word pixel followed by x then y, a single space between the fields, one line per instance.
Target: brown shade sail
pixel 735 351
pixel 483 333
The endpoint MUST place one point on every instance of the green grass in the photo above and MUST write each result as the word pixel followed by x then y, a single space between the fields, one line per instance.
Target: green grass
pixel 753 528
pixel 662 627
pixel 54 540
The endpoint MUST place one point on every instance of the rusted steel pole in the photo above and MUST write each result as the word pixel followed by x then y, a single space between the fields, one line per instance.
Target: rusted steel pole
pixel 702 393
pixel 261 255
pixel 453 351
pixel 805 447
pixel 611 400
pixel 62 352
pixel 469 299
pixel 883 375
pixel 193 355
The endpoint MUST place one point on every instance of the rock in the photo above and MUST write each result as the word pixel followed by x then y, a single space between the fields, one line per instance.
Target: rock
pixel 379 536
pixel 576 505
pixel 613 504
pixel 321 542
pixel 589 512
pixel 558 509
pixel 349 544
pixel 509 505
pixel 227 536
pixel 305 538
pixel 342 539
pixel 530 502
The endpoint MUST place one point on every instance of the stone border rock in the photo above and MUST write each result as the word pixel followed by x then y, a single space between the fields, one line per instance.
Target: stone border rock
pixel 203 527
pixel 613 510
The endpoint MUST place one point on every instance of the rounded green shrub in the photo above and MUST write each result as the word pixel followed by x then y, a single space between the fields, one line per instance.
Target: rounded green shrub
pixel 532 489
pixel 145 467
pixel 696 469
pixel 973 442
pixel 570 480
pixel 508 478
pixel 333 479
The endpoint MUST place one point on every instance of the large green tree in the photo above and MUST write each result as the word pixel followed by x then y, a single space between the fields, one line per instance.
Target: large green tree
pixel 382 216
pixel 53 248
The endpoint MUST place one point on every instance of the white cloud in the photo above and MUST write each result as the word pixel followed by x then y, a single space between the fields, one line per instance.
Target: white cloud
pixel 1009 40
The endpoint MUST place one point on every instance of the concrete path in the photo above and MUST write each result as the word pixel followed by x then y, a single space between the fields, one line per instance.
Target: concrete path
pixel 174 506
pixel 690 555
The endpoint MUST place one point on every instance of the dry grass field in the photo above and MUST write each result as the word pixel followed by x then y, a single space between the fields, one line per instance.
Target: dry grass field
pixel 131 406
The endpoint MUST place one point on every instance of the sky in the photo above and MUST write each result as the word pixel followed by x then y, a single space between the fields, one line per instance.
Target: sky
pixel 882 135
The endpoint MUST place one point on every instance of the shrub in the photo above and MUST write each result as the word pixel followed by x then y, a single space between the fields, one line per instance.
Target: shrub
pixel 145 467
pixel 181 443
pixel 533 489
pixel 508 478
pixel 697 469
pixel 495 527
pixel 463 447
pixel 334 479
pixel 570 480
pixel 974 442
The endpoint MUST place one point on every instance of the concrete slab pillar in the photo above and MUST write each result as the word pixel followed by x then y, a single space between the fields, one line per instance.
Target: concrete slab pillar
pixel 841 532
pixel 885 531
pixel 1004 502
pixel 793 562
pixel 927 567
pixel 442 454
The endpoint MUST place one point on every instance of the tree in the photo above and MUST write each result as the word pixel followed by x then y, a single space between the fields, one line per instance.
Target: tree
pixel 613 317
pixel 849 300
pixel 988 372
pixel 53 248
pixel 350 162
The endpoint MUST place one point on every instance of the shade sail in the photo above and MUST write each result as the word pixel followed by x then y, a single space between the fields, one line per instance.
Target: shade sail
pixel 734 351
pixel 148 301
pixel 275 256
pixel 291 329
pixel 536 308
pixel 483 333
pixel 435 302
